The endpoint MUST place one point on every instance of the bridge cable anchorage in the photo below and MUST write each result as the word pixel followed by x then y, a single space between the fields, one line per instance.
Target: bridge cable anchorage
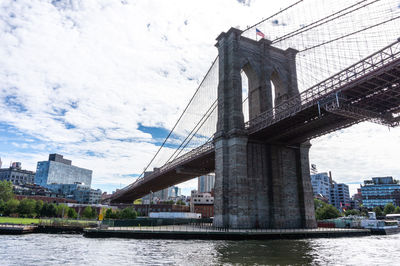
pixel 308 27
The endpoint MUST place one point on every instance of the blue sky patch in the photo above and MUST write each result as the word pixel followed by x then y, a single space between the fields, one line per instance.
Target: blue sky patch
pixel 155 132
pixel 59 111
pixel 12 102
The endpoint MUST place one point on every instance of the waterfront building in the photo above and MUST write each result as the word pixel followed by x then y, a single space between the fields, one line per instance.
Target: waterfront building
pixel 145 209
pixel 379 191
pixel 356 200
pixel 59 175
pixel 340 196
pixel 321 184
pixel 58 170
pixel 45 198
pixel 17 175
pixel 314 169
pixel 202 202
pixel 205 183
pixel 35 190
pixel 79 192
pixel 87 196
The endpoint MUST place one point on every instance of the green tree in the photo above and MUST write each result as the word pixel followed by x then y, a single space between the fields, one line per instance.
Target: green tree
pixel 72 213
pixel 352 212
pixel 38 207
pixel 128 213
pixel 26 208
pixel 94 213
pixel 44 210
pixel 2 207
pixel 51 210
pixel 180 202
pixel 87 212
pixel 327 212
pixel 6 190
pixel 116 214
pixel 319 204
pixel 389 208
pixel 62 210
pixel 11 207
pixel 397 210
pixel 108 213
pixel 378 211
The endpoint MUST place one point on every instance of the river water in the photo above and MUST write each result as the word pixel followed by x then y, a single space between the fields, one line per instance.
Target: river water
pixel 46 249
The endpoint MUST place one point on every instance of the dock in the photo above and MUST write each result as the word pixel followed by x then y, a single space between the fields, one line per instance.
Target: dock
pixel 15 229
pixel 210 233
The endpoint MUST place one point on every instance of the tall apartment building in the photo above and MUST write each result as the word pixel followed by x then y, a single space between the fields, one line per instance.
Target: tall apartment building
pixel 321 184
pixel 205 183
pixel 380 191
pixel 17 175
pixel 340 196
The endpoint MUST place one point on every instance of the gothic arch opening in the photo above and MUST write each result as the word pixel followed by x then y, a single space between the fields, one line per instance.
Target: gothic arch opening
pixel 278 90
pixel 250 92
pixel 245 94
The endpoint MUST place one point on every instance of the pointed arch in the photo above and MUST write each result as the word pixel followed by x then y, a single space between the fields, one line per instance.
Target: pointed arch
pixel 278 89
pixel 254 95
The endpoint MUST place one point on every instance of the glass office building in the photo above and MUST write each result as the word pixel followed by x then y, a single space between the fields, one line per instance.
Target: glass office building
pixel 60 171
pixel 380 191
pixel 205 183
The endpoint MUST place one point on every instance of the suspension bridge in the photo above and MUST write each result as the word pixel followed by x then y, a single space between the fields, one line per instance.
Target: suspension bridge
pixel 261 102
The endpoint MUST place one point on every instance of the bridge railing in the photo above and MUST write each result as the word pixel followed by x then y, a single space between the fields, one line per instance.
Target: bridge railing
pixel 309 97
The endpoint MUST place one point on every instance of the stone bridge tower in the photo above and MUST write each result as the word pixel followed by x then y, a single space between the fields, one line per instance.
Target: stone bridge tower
pixel 258 184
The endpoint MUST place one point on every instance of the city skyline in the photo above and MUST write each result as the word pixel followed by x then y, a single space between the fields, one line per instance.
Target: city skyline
pixel 105 92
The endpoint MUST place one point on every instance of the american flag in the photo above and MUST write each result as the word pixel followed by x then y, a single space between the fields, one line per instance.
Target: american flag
pixel 258 32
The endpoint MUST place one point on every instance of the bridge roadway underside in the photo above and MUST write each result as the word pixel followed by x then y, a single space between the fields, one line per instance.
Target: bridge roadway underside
pixel 202 164
pixel 375 97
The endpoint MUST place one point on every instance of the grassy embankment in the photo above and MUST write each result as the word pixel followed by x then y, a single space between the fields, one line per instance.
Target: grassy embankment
pixel 15 220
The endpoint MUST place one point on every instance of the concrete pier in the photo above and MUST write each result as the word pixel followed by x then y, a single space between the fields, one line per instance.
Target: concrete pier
pixel 209 233
pixel 13 229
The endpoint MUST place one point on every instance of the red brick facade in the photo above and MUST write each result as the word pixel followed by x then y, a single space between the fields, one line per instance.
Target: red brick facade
pixel 206 210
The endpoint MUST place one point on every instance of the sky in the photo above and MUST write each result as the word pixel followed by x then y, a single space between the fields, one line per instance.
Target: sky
pixel 102 82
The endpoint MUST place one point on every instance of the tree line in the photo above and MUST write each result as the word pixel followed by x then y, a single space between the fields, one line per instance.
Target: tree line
pixel 127 213
pixel 30 208
pixel 327 211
